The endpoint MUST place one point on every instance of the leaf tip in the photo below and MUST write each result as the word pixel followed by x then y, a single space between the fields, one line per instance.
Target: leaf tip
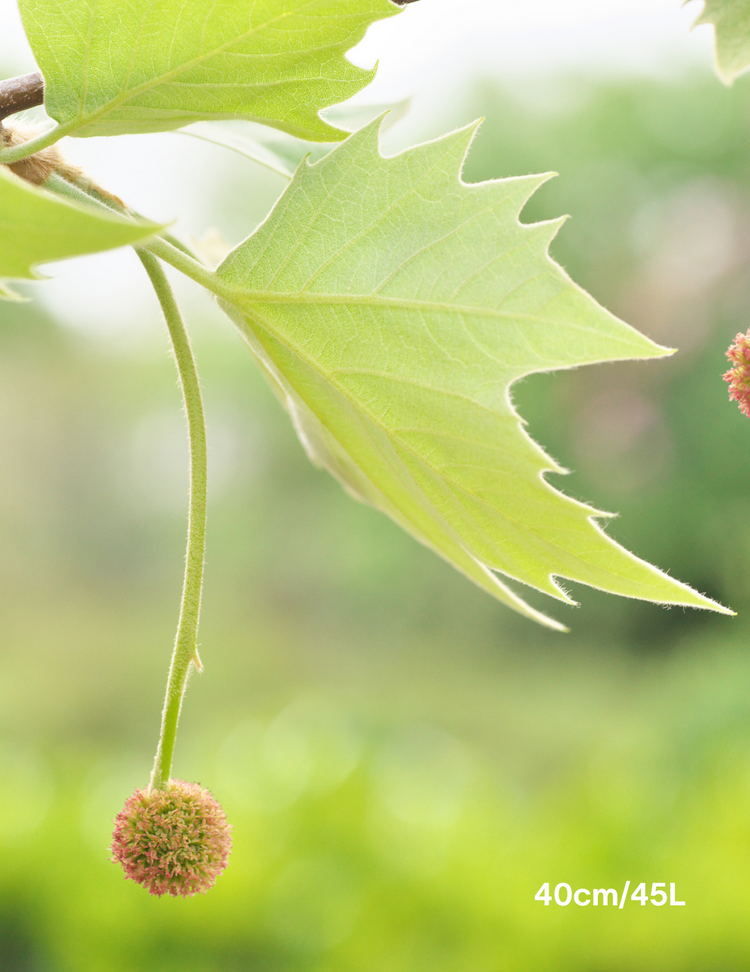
pixel 705 603
pixel 708 604
pixel 702 17
pixel 728 76
pixel 544 619
pixel 560 593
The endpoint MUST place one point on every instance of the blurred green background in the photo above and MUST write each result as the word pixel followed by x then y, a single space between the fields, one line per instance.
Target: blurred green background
pixel 404 761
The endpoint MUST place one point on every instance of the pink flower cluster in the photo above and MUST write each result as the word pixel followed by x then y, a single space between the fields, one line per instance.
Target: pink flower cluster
pixel 739 376
pixel 172 841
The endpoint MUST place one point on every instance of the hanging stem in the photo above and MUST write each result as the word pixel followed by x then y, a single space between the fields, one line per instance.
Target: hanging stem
pixel 185 650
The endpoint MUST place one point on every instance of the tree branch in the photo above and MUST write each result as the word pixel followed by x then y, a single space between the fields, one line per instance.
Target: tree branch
pixel 16 94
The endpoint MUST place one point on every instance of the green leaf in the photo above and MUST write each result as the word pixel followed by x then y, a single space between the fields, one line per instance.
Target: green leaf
pixel 280 152
pixel 37 227
pixel 731 18
pixel 117 66
pixel 392 306
pixel 246 138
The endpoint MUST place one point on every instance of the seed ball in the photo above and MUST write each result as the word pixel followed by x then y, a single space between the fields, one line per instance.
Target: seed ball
pixel 739 376
pixel 172 841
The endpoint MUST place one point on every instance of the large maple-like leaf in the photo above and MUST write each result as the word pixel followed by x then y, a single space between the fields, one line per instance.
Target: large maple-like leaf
pixel 392 306
pixel 116 66
pixel 731 19
pixel 37 227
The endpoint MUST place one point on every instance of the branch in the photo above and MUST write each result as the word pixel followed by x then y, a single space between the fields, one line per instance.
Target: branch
pixel 16 94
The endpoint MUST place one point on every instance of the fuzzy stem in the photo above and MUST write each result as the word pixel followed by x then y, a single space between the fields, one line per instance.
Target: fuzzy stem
pixel 15 153
pixel 185 650
pixel 183 262
pixel 166 246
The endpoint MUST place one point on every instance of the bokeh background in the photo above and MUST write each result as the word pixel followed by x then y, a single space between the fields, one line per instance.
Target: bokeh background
pixel 404 761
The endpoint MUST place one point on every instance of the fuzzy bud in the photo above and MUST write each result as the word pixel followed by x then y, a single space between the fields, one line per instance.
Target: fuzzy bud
pixel 739 376
pixel 172 841
pixel 37 168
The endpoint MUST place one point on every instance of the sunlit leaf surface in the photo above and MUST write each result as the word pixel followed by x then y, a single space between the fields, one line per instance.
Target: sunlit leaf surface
pixel 392 307
pixel 150 65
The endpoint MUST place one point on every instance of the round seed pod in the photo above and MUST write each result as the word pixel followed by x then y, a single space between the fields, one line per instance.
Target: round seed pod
pixel 172 841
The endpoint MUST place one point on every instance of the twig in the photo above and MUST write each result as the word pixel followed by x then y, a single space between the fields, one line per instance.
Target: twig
pixel 17 94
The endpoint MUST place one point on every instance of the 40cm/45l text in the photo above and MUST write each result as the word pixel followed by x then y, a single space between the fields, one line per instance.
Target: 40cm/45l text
pixel 563 895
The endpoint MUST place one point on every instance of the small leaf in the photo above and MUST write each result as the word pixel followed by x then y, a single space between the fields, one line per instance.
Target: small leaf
pixel 353 117
pixel 281 156
pixel 37 227
pixel 392 306
pixel 152 65
pixel 731 19
pixel 280 152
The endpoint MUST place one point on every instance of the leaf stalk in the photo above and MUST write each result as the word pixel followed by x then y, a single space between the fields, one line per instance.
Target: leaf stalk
pixel 16 153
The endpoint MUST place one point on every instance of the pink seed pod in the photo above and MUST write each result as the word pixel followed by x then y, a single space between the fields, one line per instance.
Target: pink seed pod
pixel 739 376
pixel 172 841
